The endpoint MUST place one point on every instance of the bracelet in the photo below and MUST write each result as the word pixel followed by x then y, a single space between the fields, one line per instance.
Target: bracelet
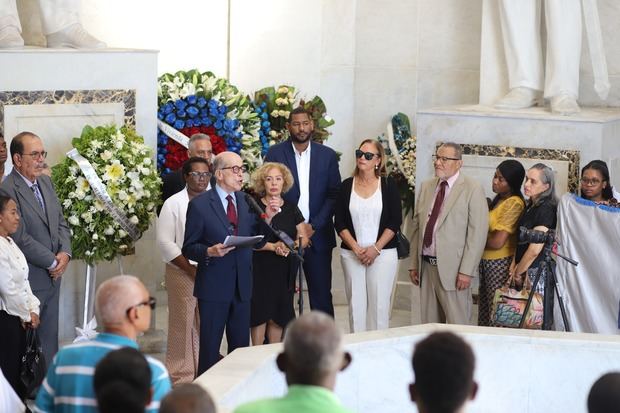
pixel 376 249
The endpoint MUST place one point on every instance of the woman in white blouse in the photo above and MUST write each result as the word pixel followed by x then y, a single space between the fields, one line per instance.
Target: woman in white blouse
pixel 183 319
pixel 368 216
pixel 19 308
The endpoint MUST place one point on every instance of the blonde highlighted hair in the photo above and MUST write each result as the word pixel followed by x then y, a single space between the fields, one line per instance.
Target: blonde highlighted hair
pixel 259 175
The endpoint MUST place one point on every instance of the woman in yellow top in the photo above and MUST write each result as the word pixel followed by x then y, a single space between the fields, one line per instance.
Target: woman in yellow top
pixel 504 213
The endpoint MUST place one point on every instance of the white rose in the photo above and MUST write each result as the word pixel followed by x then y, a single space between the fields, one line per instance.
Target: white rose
pixel 79 194
pixel 273 133
pixel 95 237
pixel 274 113
pixel 291 96
pixel 71 195
pixel 73 220
pixel 147 161
pixel 134 220
pixel 145 171
pixel 122 195
pixel 122 233
pixel 87 217
pixel 66 203
pixel 287 114
pixel 108 231
pixel 106 155
pixel 283 89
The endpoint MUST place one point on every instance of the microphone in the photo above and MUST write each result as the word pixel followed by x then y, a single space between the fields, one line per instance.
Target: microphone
pixel 255 207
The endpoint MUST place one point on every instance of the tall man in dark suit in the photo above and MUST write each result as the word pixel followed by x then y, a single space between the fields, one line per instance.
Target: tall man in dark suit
pixel 224 275
pixel 450 225
pixel 42 235
pixel 317 181
pixel 199 145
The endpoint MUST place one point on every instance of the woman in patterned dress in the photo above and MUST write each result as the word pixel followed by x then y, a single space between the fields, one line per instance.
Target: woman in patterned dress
pixel 504 213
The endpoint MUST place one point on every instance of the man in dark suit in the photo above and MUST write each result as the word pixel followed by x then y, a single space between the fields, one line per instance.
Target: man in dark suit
pixel 317 181
pixel 199 145
pixel 224 275
pixel 42 235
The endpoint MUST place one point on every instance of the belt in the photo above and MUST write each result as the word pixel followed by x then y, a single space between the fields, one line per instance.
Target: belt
pixel 430 260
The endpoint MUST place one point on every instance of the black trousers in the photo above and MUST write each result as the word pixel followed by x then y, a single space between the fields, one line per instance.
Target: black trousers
pixel 12 348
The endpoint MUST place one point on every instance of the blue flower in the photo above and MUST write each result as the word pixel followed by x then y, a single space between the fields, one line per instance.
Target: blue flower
pixel 229 124
pixel 179 124
pixel 223 109
pixel 207 122
pixel 180 104
pixel 213 112
pixel 189 123
pixel 167 108
pixel 263 105
pixel 191 99
pixel 202 102
pixel 160 115
pixel 192 111
pixel 265 124
pixel 170 118
pixel 181 114
pixel 212 104
pixel 218 124
pixel 264 116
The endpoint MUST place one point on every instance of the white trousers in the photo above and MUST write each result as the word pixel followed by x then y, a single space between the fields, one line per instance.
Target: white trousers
pixel 369 289
pixel 520 23
pixel 55 14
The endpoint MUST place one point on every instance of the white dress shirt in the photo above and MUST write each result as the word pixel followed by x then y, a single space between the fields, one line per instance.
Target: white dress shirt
pixel 16 297
pixel 171 226
pixel 302 161
pixel 431 250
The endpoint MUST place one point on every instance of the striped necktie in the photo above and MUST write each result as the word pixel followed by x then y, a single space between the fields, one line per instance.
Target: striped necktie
pixel 37 195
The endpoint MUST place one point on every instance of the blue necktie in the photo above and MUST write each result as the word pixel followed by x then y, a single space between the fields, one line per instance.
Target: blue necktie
pixel 37 195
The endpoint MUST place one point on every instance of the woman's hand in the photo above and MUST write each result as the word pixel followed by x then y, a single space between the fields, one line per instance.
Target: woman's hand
pixel 368 255
pixel 34 321
pixel 280 249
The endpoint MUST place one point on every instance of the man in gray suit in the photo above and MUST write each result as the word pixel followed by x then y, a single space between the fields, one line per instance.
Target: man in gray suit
pixel 42 235
pixel 450 224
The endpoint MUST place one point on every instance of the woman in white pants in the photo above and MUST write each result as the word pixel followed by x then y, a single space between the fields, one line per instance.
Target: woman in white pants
pixel 368 215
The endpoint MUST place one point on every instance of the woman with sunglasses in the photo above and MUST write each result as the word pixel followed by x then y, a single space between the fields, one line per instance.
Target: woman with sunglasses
pixel 595 185
pixel 19 307
pixel 183 319
pixel 368 215
pixel 504 213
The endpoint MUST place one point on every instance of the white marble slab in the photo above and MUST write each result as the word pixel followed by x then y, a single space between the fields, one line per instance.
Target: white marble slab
pixel 517 370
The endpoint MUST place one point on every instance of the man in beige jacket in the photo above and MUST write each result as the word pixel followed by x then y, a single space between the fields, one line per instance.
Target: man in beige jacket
pixel 450 224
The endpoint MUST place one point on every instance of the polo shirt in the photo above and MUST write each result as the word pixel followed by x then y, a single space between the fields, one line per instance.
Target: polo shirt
pixel 68 386
pixel 299 399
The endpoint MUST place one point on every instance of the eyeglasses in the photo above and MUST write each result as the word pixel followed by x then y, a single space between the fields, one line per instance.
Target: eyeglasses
pixel 444 159
pixel 590 182
pixel 199 175
pixel 151 302
pixel 236 169
pixel 367 155
pixel 36 155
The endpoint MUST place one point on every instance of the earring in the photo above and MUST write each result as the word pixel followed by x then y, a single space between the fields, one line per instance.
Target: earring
pixel 377 166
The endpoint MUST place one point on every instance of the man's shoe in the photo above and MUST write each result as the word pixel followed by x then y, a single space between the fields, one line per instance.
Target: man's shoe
pixel 75 37
pixel 564 104
pixel 519 98
pixel 10 38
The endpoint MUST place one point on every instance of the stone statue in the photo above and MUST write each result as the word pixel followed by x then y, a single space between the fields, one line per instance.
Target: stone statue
pixel 520 24
pixel 59 20
pixel 559 80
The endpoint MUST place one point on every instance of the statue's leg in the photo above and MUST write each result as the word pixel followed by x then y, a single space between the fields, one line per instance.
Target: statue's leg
pixel 520 23
pixel 563 19
pixel 61 25
pixel 10 29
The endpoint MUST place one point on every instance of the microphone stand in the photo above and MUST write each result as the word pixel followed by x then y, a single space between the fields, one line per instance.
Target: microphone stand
pixel 300 301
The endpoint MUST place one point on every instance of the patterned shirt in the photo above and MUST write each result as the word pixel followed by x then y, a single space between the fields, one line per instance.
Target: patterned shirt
pixel 68 386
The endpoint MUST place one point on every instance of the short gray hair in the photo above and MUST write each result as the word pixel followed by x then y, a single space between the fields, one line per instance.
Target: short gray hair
pixel 115 296
pixel 458 149
pixel 313 346
pixel 547 177
pixel 197 137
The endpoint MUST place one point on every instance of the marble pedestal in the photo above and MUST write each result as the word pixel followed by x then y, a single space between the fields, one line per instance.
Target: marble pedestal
pixel 533 135
pixel 55 93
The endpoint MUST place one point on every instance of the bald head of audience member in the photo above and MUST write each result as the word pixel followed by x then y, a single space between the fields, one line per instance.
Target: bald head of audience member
pixel 313 351
pixel 604 395
pixel 443 366
pixel 123 306
pixel 187 398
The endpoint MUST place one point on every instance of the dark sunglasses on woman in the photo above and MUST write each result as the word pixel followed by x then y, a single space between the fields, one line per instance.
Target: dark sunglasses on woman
pixel 368 155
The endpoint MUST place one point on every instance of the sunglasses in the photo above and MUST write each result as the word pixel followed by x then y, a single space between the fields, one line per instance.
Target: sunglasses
pixel 151 302
pixel 367 155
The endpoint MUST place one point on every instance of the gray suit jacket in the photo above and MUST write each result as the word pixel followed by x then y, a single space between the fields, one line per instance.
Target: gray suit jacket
pixel 461 229
pixel 40 235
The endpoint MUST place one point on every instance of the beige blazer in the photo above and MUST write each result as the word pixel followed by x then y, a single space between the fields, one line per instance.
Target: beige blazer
pixel 461 230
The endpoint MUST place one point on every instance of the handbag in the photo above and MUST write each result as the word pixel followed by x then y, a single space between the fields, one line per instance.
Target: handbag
pixel 33 366
pixel 509 305
pixel 402 245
